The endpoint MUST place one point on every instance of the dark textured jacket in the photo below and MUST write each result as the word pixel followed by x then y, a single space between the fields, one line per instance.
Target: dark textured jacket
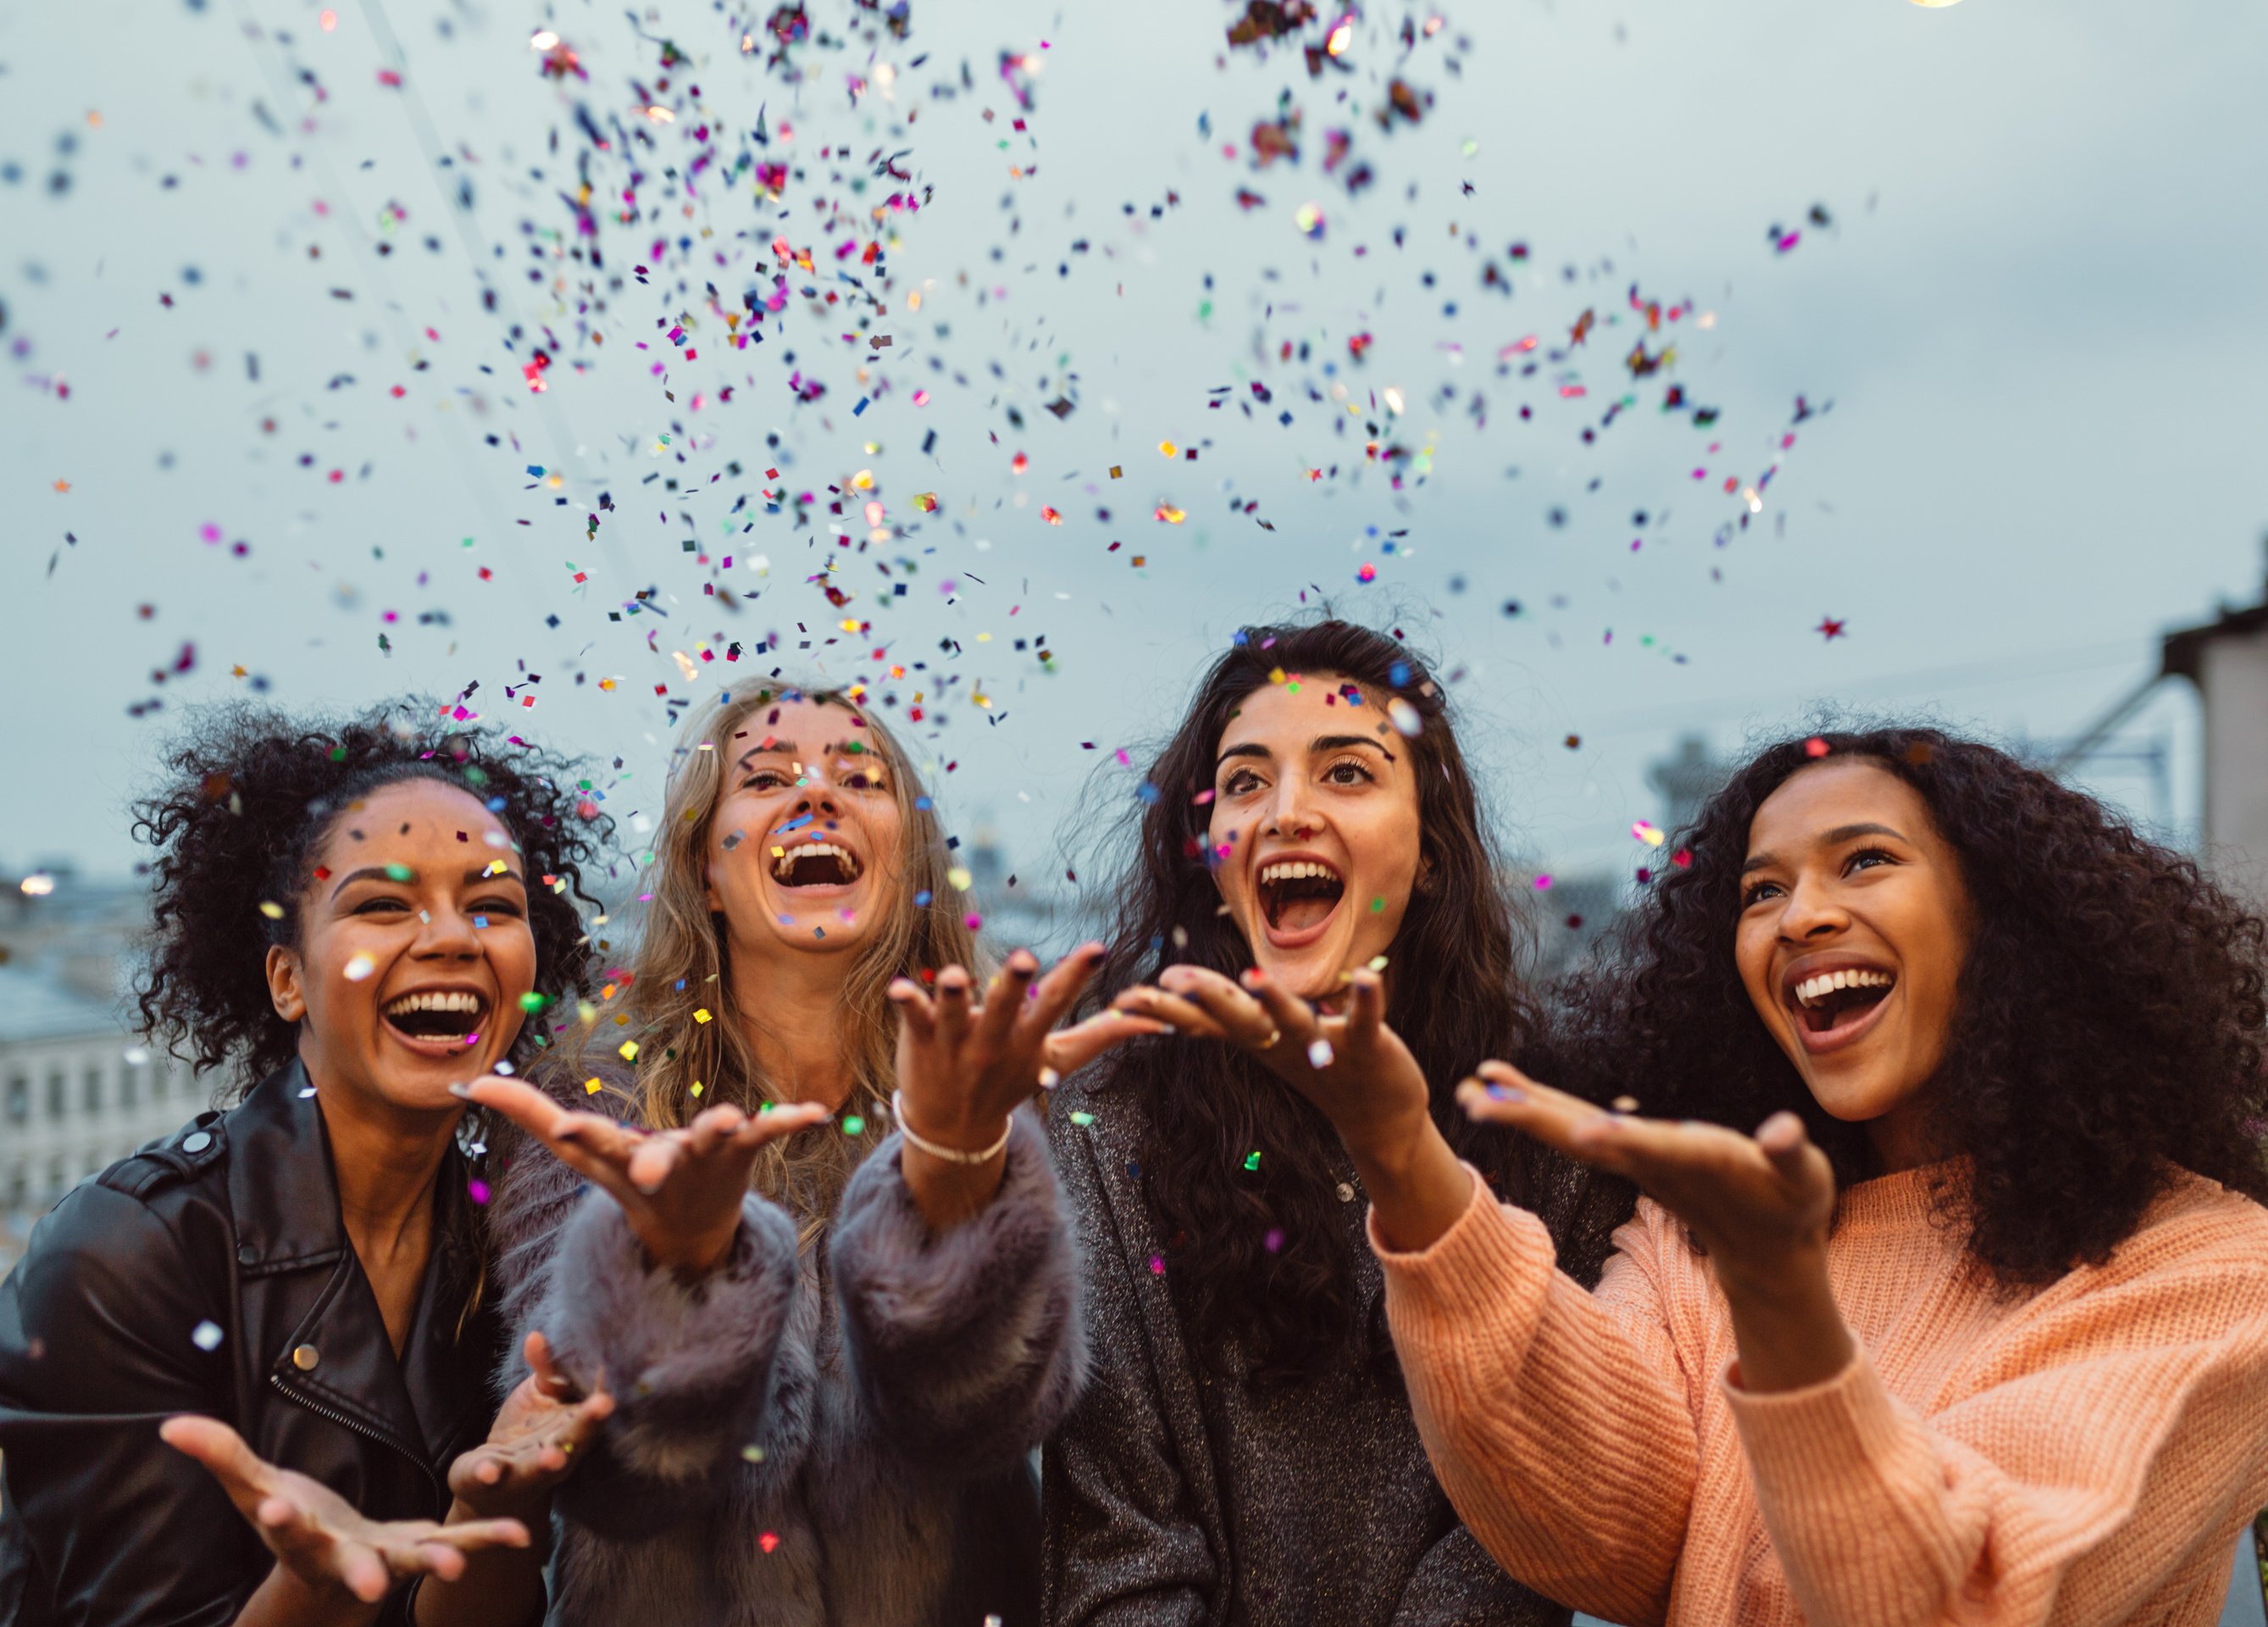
pixel 229 1227
pixel 841 1440
pixel 1180 1496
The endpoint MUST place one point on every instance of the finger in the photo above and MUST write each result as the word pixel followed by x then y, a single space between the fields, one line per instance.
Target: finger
pixel 953 999
pixel 713 1127
pixel 439 1560
pixel 472 1536
pixel 1291 1017
pixel 1244 1019
pixel 223 1453
pixel 1070 1049
pixel 365 1574
pixel 545 1366
pixel 650 1168
pixel 782 1119
pixel 1010 994
pixel 1365 1007
pixel 915 1009
pixel 1504 1095
pixel 514 1098
pixel 1786 1146
pixel 1179 1015
pixel 1060 989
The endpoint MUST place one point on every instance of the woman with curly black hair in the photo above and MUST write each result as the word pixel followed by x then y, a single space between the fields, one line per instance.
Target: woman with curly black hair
pixel 243 1372
pixel 1975 1326
pixel 1245 1450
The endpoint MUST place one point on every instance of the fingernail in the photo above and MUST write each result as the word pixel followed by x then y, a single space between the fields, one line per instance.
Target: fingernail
pixel 463 1093
pixel 1506 1093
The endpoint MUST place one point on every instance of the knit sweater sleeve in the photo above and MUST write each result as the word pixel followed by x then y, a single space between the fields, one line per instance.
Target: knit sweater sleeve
pixel 2103 1462
pixel 1559 1422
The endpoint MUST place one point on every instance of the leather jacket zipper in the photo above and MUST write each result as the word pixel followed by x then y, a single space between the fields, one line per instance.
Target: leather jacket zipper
pixel 439 1490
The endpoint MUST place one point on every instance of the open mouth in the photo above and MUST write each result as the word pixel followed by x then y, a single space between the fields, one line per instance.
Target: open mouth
pixel 1298 895
pixel 436 1016
pixel 815 863
pixel 1836 1003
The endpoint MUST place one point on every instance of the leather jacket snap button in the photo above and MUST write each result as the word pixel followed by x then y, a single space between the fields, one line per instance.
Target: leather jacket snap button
pixel 196 1141
pixel 306 1357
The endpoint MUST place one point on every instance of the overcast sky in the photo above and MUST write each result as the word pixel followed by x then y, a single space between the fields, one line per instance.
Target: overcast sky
pixel 2033 308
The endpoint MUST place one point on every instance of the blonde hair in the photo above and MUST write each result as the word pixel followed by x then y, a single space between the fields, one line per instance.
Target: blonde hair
pixel 693 1045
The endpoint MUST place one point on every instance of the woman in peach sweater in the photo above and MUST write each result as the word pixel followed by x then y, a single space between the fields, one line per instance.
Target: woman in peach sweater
pixel 1973 1328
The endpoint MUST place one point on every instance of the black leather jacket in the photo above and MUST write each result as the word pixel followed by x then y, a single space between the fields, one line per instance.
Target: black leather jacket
pixel 211 1273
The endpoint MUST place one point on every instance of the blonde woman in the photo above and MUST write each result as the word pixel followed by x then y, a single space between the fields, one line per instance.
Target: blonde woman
pixel 834 1343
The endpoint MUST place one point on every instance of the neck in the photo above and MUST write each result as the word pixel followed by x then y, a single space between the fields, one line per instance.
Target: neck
pixel 793 1017
pixel 385 1161
pixel 1900 1139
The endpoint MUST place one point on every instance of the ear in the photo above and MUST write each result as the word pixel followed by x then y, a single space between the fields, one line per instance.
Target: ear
pixel 286 986
pixel 1425 883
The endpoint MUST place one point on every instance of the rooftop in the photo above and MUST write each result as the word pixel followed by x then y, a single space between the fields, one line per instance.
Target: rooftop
pixel 35 1003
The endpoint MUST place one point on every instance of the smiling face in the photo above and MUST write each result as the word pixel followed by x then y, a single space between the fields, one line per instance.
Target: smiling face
pixel 805 845
pixel 1315 831
pixel 414 949
pixel 1853 932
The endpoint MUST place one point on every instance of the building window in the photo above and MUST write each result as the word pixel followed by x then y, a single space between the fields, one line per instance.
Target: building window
pixel 91 1089
pixel 56 1093
pixel 129 1086
pixel 16 1193
pixel 19 1096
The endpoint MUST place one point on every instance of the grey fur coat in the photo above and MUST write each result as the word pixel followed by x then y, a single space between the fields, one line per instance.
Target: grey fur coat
pixel 841 1441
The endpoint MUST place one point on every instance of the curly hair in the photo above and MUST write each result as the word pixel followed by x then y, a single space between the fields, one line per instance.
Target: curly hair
pixel 249 798
pixel 1258 1249
pixel 2107 1025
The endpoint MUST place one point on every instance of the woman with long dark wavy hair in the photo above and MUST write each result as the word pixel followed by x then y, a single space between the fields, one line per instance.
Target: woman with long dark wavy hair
pixel 1245 1451
pixel 1973 1326
pixel 244 1374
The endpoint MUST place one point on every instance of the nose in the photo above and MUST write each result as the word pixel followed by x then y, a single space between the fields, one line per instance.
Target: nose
pixel 448 933
pixel 1289 814
pixel 1813 911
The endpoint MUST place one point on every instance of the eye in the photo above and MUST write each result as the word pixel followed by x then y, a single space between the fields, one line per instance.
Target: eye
pixel 862 779
pixel 765 779
pixel 498 907
pixel 1867 858
pixel 377 902
pixel 1755 892
pixel 1349 772
pixel 1240 782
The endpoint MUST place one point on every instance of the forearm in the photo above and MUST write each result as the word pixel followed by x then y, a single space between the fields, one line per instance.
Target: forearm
pixel 501 1586
pixel 1416 1186
pixel 285 1600
pixel 1789 1332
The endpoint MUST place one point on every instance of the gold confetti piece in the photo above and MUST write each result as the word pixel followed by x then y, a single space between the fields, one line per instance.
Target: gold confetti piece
pixel 274 912
pixel 628 1050
pixel 1625 1104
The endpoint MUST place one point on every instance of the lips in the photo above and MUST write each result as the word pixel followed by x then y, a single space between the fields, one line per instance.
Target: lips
pixel 1835 999
pixel 1298 894
pixel 438 1021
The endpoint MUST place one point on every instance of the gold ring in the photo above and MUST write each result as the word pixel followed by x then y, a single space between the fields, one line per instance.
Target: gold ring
pixel 1275 1038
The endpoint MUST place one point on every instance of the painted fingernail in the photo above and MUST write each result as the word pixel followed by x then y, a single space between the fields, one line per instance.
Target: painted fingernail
pixel 462 1093
pixel 1506 1093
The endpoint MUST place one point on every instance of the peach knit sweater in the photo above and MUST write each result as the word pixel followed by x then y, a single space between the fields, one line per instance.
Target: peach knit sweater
pixel 2085 1453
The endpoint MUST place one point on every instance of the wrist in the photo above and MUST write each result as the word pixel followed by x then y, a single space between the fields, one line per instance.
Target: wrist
pixel 952 1133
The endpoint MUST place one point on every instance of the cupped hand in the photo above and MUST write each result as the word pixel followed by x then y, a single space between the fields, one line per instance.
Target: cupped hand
pixel 533 1444
pixel 680 1190
pixel 1350 1064
pixel 317 1534
pixel 1757 1202
pixel 966 1060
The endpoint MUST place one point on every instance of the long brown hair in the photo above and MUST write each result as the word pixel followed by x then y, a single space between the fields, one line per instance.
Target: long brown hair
pixel 692 1035
pixel 1255 1246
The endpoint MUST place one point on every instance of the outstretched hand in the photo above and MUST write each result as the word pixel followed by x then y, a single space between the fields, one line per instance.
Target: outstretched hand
pixel 1351 1065
pixel 531 1447
pixel 1759 1205
pixel 320 1538
pixel 680 1190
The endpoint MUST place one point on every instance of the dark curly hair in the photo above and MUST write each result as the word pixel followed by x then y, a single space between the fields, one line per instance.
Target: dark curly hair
pixel 250 796
pixel 2107 1026
pixel 1454 995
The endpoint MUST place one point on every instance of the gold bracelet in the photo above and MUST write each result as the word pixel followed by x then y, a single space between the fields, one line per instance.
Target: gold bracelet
pixel 951 1155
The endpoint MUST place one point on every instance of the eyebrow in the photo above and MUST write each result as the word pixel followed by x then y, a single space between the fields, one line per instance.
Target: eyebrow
pixel 789 749
pixel 473 878
pixel 1321 743
pixel 1833 838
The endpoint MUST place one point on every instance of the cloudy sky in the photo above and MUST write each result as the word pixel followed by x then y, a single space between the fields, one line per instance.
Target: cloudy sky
pixel 272 278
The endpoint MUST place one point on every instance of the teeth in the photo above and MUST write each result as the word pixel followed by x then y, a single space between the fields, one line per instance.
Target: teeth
pixel 1298 870
pixel 1814 988
pixel 439 1002
pixel 785 862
